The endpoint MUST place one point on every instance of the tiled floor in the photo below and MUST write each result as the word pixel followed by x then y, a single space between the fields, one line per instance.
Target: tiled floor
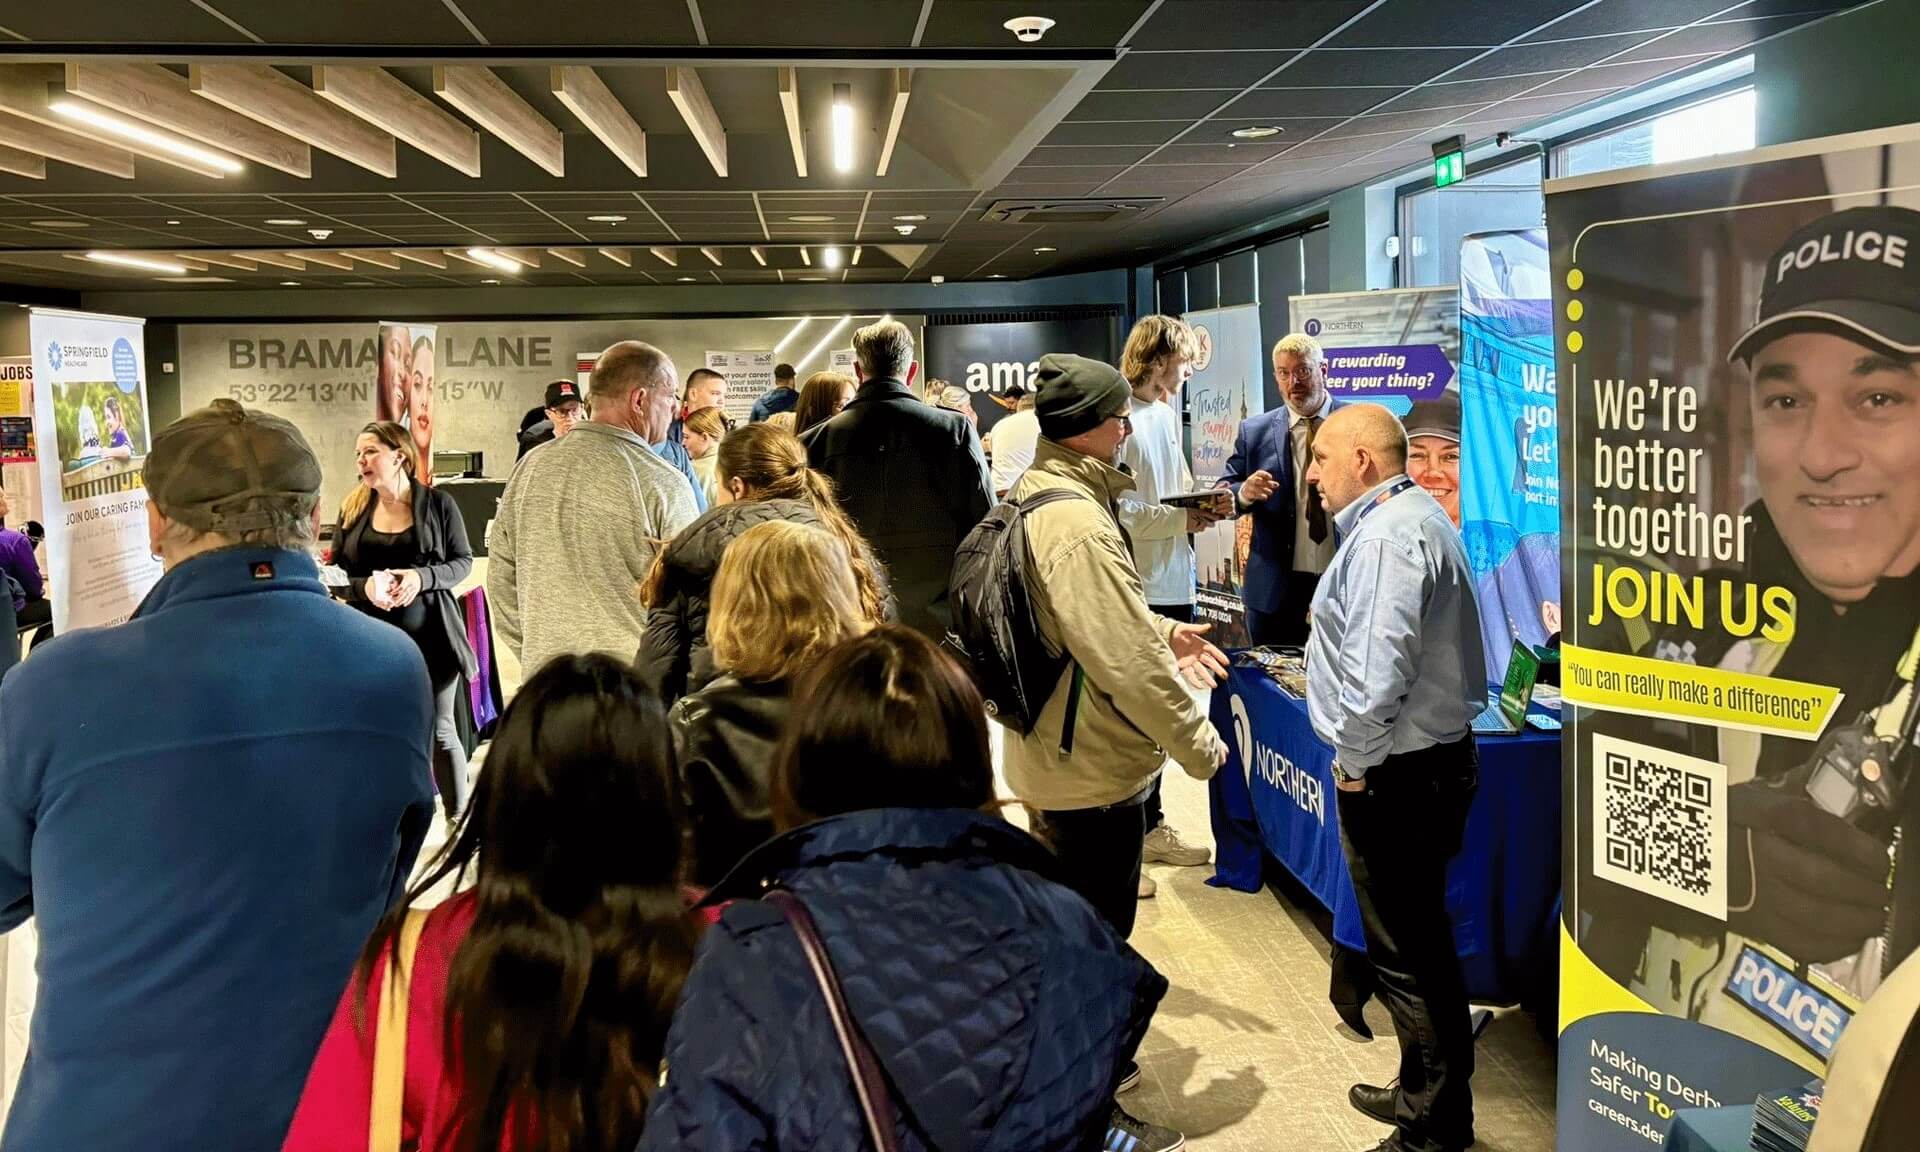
pixel 1246 1055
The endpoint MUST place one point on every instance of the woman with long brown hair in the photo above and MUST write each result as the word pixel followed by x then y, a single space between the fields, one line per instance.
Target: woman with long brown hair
pixel 821 399
pixel 404 549
pixel 537 1002
pixel 999 1010
pixel 763 476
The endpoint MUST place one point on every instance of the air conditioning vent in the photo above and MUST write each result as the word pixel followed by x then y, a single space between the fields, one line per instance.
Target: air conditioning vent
pixel 1096 211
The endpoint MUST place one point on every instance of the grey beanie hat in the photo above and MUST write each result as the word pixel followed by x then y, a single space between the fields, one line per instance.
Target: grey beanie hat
pixel 1077 395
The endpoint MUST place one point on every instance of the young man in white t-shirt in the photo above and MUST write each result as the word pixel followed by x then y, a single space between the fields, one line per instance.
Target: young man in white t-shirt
pixel 1013 440
pixel 1157 362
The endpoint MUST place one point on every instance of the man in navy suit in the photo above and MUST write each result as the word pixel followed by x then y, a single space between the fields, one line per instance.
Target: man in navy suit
pixel 1292 533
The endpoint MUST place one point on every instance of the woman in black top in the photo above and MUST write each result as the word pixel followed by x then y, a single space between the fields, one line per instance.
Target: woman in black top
pixel 404 549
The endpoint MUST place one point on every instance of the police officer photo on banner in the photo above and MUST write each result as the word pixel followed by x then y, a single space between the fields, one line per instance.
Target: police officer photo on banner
pixel 1739 359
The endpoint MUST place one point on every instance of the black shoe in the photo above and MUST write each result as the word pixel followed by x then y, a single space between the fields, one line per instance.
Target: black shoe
pixel 1127 1133
pixel 1354 1017
pixel 1130 1081
pixel 1376 1103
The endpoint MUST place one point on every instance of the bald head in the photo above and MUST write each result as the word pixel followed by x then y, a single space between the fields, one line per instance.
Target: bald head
pixel 633 386
pixel 1359 446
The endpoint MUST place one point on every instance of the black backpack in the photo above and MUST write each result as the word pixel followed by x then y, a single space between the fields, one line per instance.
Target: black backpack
pixel 996 633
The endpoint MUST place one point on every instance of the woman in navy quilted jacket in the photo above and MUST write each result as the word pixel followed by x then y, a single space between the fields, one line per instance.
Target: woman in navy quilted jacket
pixel 1001 1008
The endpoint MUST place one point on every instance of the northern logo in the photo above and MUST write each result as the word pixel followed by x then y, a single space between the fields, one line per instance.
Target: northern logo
pixel 1278 772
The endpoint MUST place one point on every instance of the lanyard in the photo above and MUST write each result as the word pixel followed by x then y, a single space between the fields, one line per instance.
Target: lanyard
pixel 1399 486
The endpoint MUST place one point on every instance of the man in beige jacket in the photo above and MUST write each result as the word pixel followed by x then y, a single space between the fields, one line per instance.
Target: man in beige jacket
pixel 1124 690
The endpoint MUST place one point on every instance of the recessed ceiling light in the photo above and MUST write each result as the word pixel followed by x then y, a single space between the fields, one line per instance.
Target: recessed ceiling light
pixel 686 279
pixel 1258 131
pixel 830 257
pixel 997 276
pixel 289 283
pixel 911 217
pixel 607 219
pixel 58 223
pixel 286 222
pixel 356 283
pixel 173 221
pixel 489 281
pixel 813 279
pixel 1043 249
pixel 812 218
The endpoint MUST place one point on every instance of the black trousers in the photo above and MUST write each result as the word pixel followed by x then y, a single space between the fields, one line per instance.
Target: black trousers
pixel 1183 614
pixel 1288 624
pixel 1099 851
pixel 1399 834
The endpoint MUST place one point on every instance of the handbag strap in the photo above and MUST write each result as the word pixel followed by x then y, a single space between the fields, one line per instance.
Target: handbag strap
pixel 390 1040
pixel 869 1082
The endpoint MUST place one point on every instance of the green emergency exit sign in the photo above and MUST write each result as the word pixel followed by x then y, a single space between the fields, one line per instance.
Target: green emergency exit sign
pixel 1449 161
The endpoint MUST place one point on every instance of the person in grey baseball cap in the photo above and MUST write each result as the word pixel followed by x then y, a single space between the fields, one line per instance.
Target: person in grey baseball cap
pixel 223 794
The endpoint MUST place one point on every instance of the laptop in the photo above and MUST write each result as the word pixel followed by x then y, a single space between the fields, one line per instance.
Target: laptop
pixel 1506 711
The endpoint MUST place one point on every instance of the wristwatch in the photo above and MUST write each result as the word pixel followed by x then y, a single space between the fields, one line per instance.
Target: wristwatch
pixel 1341 776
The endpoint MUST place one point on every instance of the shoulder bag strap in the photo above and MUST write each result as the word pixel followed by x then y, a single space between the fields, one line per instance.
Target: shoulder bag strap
pixel 869 1083
pixel 390 1040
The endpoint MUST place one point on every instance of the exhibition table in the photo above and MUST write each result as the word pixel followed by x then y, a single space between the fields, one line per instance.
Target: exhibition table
pixel 1502 889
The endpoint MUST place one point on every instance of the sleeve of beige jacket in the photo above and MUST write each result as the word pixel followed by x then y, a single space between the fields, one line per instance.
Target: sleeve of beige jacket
pixel 503 590
pixel 1101 610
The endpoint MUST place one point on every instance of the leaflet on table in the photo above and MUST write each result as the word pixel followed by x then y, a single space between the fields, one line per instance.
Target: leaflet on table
pixel 1228 385
pixel 749 376
pixel 92 396
pixel 1739 426
pixel 1507 461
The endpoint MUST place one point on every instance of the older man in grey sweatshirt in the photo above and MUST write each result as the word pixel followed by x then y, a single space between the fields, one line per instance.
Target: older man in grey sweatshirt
pixel 581 519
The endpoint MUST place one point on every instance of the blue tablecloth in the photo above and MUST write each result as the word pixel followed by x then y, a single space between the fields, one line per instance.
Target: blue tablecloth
pixel 1276 794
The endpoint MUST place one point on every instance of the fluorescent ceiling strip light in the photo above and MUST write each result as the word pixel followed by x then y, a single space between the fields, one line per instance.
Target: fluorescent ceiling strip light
pixel 830 257
pixel 107 122
pixel 136 262
pixel 788 338
pixel 824 341
pixel 496 260
pixel 843 127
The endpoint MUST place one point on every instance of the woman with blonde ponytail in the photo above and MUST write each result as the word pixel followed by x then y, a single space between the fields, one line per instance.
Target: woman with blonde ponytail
pixel 763 476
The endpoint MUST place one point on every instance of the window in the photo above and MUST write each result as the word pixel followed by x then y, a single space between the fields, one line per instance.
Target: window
pixel 1722 124
pixel 1433 221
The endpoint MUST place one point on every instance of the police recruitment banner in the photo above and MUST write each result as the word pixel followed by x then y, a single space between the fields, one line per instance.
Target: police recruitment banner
pixel 749 376
pixel 1228 385
pixel 986 358
pixel 90 404
pixel 1507 461
pixel 1740 439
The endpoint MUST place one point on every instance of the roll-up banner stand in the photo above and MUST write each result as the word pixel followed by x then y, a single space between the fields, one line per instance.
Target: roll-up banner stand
pixel 405 382
pixel 90 405
pixel 1228 385
pixel 1740 437
pixel 749 376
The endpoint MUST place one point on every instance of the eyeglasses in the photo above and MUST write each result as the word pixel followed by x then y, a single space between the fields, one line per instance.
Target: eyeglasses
pixel 1303 373
pixel 1126 423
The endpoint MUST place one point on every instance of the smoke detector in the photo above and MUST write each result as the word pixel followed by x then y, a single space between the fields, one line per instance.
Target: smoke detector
pixel 319 233
pixel 1028 29
pixel 903 229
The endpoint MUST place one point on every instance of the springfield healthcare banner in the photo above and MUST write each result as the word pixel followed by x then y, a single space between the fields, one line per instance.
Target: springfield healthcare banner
pixel 985 358
pixel 1228 385
pixel 1507 463
pixel 749 376
pixel 91 407
pixel 1740 428
pixel 404 383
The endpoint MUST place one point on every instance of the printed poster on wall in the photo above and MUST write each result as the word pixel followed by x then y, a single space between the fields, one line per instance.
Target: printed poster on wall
pixel 1507 463
pixel 19 470
pixel 1228 385
pixel 403 390
pixel 91 404
pixel 749 376
pixel 840 360
pixel 1740 433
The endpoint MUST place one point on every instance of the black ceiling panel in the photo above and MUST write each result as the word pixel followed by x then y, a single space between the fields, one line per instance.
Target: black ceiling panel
pixel 1462 94
pixel 1399 122
pixel 105 22
pixel 1278 105
pixel 1148 132
pixel 1419 23
pixel 1616 76
pixel 978 23
pixel 1086 154
pixel 1235 70
pixel 1610 16
pixel 1712 38
pixel 809 24
pixel 414 22
pixel 1245 23
pixel 1182 106
pixel 1554 56
pixel 650 22
pixel 1190 151
pixel 1375 66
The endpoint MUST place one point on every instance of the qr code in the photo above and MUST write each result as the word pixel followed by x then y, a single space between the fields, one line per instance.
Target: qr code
pixel 1660 824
